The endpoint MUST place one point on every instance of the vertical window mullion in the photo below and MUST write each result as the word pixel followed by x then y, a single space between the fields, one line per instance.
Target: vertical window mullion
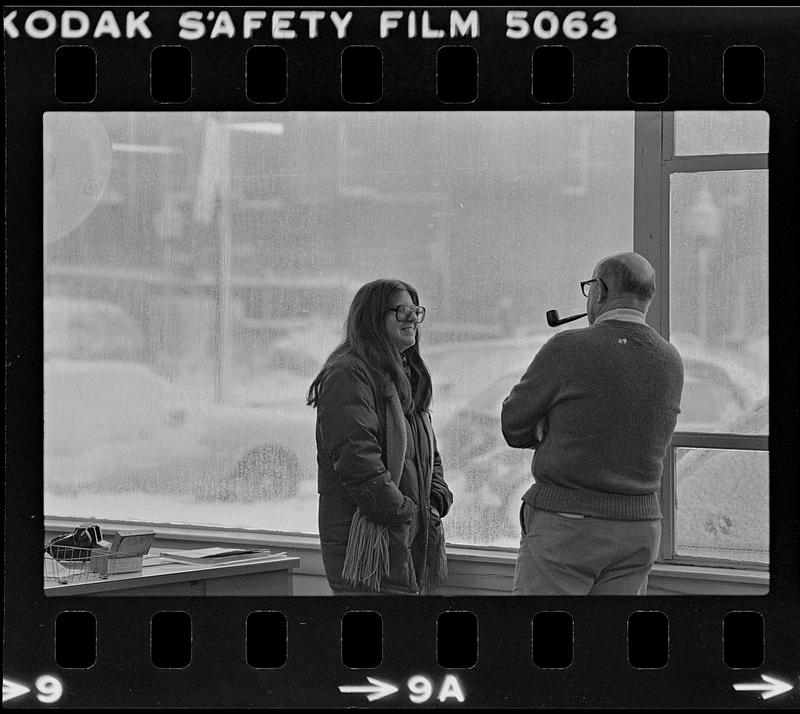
pixel 668 136
pixel 668 480
pixel 666 549
pixel 649 238
pixel 653 139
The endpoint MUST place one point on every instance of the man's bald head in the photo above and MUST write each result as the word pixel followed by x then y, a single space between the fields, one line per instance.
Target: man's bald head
pixel 628 275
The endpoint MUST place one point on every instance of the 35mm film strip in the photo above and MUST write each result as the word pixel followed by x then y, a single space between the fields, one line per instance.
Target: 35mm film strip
pixel 462 148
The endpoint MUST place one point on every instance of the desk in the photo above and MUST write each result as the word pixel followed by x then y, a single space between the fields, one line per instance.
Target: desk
pixel 162 577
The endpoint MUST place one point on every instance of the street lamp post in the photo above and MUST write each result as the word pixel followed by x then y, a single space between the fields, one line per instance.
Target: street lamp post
pixel 212 206
pixel 703 222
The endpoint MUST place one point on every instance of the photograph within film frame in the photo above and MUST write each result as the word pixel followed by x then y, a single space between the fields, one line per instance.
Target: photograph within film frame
pixel 211 188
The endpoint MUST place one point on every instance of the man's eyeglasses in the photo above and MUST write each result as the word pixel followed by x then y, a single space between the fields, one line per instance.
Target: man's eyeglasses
pixel 586 283
pixel 408 313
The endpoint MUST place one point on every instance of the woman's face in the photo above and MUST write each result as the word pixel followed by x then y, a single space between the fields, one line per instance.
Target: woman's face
pixel 401 334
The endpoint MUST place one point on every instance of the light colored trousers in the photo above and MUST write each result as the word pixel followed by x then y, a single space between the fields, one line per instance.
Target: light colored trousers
pixel 563 555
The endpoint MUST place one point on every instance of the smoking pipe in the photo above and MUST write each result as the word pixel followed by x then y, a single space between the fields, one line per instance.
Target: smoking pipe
pixel 554 321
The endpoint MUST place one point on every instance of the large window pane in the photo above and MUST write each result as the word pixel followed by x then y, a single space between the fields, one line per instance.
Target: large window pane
pixel 719 296
pixel 723 504
pixel 727 132
pixel 189 303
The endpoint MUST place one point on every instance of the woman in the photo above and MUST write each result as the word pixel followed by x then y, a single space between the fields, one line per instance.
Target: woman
pixel 382 493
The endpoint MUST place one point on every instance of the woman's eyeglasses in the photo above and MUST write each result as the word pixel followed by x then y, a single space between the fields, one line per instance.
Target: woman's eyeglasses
pixel 408 313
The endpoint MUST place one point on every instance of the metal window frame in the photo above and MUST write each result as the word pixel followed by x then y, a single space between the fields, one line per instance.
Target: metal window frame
pixel 654 163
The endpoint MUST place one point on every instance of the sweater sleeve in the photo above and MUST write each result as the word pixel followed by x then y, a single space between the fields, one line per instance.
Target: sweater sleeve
pixel 348 426
pixel 525 409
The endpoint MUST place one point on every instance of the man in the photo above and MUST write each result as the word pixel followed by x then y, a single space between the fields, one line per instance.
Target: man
pixel 599 405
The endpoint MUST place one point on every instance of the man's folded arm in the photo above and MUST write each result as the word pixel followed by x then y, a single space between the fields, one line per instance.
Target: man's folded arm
pixel 529 402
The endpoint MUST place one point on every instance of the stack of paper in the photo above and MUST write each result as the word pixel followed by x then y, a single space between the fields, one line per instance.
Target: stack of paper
pixel 215 556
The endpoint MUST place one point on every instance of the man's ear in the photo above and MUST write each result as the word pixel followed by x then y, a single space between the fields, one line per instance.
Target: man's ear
pixel 602 293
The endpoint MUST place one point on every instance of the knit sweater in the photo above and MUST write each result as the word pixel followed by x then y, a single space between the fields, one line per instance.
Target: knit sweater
pixel 610 394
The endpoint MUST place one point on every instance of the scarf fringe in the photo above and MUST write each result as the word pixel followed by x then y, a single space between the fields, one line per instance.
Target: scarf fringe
pixel 366 560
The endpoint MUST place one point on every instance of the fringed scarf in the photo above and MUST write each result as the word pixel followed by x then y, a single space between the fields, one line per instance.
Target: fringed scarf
pixel 367 558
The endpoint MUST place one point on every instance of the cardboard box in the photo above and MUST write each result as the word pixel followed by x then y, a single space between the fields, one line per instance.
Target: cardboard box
pixel 126 554
pixel 110 564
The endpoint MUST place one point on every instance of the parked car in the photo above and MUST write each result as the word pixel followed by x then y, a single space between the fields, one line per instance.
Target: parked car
pixel 718 387
pixel 118 426
pixel 91 329
pixel 283 370
pixel 480 468
pixel 463 369
pixel 488 476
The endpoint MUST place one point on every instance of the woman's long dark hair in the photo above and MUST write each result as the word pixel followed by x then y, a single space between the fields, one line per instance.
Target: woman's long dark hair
pixel 366 337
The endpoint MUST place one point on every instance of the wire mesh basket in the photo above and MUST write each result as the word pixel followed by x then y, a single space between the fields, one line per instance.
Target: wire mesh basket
pixel 69 564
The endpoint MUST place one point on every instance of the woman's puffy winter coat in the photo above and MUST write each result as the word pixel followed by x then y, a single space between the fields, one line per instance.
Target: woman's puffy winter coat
pixel 361 449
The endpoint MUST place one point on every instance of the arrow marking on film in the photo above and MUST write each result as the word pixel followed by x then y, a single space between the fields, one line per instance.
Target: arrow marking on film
pixel 771 687
pixel 12 690
pixel 374 690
